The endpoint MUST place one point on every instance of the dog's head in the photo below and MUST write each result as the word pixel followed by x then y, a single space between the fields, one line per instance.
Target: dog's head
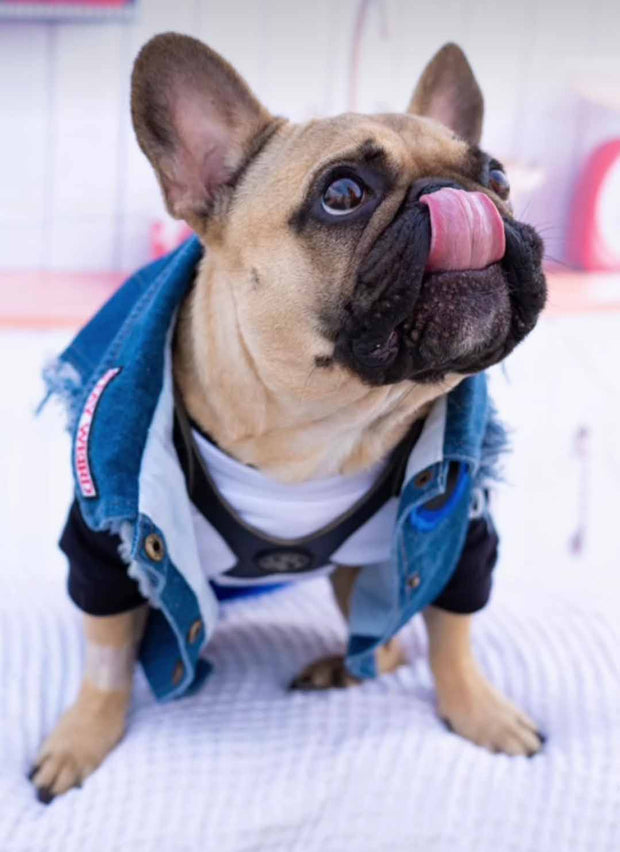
pixel 346 243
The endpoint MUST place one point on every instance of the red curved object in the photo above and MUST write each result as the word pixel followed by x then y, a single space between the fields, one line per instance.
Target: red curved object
pixel 587 248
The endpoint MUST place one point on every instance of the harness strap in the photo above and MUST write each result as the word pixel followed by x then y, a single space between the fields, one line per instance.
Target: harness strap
pixel 260 555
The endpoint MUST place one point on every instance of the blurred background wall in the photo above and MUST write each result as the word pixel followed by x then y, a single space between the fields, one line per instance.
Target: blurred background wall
pixel 77 194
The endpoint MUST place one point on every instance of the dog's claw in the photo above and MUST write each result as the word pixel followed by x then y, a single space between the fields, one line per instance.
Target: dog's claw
pixel 301 683
pixel 44 795
pixel 33 772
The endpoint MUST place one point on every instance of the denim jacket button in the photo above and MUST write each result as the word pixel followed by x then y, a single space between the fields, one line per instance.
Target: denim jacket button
pixel 178 672
pixel 414 581
pixel 154 547
pixel 194 631
pixel 423 478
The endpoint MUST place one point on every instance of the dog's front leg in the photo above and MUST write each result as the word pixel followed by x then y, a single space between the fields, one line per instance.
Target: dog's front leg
pixel 95 723
pixel 466 701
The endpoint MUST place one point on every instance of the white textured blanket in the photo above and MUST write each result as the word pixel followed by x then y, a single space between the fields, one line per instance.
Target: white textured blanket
pixel 245 766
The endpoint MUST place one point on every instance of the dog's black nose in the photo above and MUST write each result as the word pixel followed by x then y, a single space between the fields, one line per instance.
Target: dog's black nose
pixel 426 185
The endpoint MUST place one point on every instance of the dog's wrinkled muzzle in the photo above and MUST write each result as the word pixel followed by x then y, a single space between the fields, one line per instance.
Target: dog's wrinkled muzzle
pixel 448 286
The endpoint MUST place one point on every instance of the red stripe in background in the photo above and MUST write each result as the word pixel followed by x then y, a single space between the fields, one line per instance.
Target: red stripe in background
pixel 53 299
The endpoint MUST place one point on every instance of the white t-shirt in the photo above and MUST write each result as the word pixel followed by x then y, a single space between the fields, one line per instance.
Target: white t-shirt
pixel 289 511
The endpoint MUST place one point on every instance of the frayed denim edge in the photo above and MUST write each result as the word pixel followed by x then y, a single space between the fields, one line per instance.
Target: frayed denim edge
pixel 64 381
pixel 495 444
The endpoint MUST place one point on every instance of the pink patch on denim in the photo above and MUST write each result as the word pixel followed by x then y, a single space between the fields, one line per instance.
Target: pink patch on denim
pixel 82 464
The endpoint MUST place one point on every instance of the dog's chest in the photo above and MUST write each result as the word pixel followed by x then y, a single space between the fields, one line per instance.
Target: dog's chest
pixel 286 513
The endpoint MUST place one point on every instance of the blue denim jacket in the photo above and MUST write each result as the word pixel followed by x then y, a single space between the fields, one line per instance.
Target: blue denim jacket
pixel 116 379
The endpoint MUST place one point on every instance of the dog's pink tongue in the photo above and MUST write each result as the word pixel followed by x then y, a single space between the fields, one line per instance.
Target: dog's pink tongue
pixel 467 231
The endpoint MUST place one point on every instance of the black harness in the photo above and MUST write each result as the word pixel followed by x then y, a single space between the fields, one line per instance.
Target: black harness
pixel 260 555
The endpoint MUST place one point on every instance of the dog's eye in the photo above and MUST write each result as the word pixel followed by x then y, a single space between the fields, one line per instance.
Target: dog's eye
pixel 342 196
pixel 499 183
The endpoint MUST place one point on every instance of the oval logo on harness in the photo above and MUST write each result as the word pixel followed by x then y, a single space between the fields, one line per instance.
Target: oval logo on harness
pixel 283 561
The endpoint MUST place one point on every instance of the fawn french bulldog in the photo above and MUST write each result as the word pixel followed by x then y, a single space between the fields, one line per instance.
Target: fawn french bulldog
pixel 297 390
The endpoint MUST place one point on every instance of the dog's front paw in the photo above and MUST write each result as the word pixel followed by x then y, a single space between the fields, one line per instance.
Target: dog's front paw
pixel 83 737
pixel 471 707
pixel 326 673
pixel 331 672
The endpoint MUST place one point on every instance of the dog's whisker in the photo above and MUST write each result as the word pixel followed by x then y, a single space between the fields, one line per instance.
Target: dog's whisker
pixel 549 229
pixel 558 261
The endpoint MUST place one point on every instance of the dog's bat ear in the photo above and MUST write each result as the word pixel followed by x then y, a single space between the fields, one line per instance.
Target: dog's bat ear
pixel 195 119
pixel 448 92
